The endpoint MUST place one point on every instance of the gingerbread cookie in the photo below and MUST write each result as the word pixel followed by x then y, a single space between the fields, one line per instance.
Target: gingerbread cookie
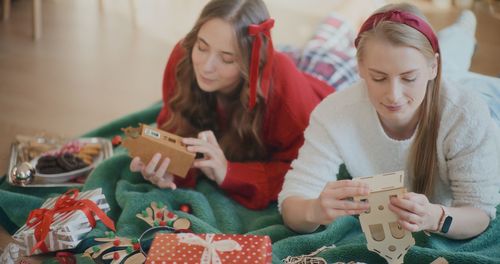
pixel 88 152
pixel 69 162
pixel 59 164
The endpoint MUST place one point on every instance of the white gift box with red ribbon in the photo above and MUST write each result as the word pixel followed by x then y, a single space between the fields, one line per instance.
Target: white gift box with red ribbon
pixel 67 229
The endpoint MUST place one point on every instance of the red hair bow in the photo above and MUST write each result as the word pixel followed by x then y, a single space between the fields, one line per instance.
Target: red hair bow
pixel 42 218
pixel 256 30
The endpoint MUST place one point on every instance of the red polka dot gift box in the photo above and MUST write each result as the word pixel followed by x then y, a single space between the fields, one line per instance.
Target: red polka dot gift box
pixel 189 248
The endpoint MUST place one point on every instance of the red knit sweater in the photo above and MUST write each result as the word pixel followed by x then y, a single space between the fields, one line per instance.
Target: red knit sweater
pixel 293 96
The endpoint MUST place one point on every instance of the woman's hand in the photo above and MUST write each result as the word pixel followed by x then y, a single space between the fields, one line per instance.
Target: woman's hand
pixel 160 177
pixel 214 163
pixel 336 200
pixel 415 212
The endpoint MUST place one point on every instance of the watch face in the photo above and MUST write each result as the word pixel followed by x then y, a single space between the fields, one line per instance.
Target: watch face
pixel 446 224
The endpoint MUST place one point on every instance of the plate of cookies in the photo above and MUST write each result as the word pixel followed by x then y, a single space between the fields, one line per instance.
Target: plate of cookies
pixel 73 159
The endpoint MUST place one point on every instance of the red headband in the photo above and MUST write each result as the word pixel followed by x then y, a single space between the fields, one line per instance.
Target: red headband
pixel 256 30
pixel 403 17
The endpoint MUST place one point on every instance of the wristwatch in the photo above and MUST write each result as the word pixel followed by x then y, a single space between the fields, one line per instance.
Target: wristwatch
pixel 444 221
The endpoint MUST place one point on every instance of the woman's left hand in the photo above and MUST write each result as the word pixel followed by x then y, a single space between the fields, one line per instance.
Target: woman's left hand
pixel 415 212
pixel 214 163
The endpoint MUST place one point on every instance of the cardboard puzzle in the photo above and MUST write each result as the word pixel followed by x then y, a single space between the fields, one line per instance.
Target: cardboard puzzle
pixel 383 233
pixel 145 141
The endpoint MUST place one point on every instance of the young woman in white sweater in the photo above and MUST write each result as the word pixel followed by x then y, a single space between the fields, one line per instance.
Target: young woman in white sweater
pixel 400 116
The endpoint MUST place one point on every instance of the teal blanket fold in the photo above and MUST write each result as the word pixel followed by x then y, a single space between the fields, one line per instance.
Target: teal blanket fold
pixel 213 212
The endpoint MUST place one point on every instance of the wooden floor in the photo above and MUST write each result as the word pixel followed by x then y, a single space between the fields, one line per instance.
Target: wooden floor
pixel 98 60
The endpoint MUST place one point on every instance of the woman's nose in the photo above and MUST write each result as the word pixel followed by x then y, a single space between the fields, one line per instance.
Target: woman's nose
pixel 210 63
pixel 395 91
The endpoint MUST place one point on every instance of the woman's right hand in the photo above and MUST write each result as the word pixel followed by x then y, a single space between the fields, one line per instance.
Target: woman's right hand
pixel 160 177
pixel 336 200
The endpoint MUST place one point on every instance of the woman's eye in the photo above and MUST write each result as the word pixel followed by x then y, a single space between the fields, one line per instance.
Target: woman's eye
pixel 410 79
pixel 381 79
pixel 202 46
pixel 227 59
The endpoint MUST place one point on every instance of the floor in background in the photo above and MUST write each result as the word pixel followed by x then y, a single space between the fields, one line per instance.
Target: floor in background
pixel 98 60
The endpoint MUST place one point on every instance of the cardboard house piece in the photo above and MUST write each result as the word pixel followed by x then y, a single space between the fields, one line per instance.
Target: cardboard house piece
pixel 144 141
pixel 379 224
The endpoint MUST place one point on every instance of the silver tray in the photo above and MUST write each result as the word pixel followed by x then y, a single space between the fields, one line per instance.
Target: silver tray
pixel 106 152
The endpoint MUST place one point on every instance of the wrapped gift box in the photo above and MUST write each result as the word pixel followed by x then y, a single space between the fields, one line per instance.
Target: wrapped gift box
pixel 210 249
pixel 67 229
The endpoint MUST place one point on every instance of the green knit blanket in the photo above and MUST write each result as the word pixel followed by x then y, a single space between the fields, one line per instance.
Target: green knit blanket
pixel 213 212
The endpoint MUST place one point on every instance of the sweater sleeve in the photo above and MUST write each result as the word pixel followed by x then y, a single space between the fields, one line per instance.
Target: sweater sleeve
pixel 256 184
pixel 471 150
pixel 318 162
pixel 169 82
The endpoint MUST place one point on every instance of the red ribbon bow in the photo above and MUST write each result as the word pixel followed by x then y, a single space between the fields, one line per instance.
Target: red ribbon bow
pixel 65 203
pixel 256 30
pixel 402 17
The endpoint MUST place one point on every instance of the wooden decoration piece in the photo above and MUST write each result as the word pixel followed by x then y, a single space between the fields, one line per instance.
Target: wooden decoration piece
pixel 157 214
pixel 115 250
pixel 440 260
pixel 145 141
pixel 383 233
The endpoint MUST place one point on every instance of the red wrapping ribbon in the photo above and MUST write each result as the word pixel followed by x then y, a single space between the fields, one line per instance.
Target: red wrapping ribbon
pixel 65 203
pixel 256 30
pixel 402 17
pixel 65 258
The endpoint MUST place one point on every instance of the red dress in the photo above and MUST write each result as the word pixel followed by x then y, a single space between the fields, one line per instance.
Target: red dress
pixel 293 96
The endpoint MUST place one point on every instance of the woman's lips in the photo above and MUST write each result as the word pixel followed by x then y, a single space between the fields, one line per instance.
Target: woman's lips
pixel 206 80
pixel 393 108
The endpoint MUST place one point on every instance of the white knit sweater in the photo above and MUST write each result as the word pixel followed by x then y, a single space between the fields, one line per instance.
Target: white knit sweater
pixel 344 128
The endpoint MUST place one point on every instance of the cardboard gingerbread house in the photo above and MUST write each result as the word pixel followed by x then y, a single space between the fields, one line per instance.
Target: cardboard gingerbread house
pixel 145 141
pixel 383 233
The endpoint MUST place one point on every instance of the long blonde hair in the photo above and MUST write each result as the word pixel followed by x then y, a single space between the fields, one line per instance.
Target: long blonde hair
pixel 193 110
pixel 423 154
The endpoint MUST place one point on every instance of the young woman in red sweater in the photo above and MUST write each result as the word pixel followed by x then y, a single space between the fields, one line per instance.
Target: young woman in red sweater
pixel 237 101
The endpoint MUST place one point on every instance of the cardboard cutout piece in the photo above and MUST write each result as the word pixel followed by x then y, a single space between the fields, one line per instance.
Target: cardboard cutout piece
pixel 144 141
pixel 383 233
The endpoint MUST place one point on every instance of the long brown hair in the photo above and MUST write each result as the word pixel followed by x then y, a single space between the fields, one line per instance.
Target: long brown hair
pixel 193 110
pixel 423 154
